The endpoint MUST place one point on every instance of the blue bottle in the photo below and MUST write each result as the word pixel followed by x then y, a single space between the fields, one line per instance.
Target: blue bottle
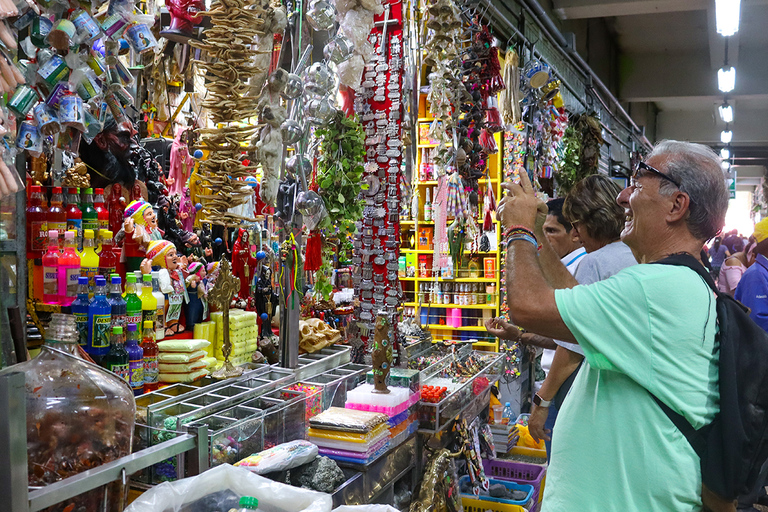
pixel 79 308
pixel 135 360
pixel 119 309
pixel 99 321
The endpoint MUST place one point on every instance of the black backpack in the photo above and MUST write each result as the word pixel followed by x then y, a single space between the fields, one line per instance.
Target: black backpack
pixel 733 448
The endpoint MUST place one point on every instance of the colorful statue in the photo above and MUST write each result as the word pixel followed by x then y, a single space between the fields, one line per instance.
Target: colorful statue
pixel 243 263
pixel 163 254
pixel 116 207
pixel 184 16
pixel 181 164
pixel 187 211
pixel 138 230
pixel 197 290
pixel 109 156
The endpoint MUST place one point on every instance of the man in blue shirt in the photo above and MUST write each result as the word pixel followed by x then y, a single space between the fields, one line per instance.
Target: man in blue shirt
pixel 752 290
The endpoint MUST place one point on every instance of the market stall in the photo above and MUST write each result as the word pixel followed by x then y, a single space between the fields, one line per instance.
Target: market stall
pixel 260 246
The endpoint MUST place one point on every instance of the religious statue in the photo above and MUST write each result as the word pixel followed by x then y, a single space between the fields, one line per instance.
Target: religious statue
pixel 221 295
pixel 116 207
pixel 243 263
pixel 138 230
pixel 184 16
pixel 196 281
pixel 163 254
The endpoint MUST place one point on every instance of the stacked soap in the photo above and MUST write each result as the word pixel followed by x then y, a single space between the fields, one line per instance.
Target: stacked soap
pixel 182 360
pixel 243 334
pixel 348 435
pixel 206 331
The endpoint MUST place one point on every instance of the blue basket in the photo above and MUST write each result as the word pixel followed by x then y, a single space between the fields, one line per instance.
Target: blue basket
pixel 528 489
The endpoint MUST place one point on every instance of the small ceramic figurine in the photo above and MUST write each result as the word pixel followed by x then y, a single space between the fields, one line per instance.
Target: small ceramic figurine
pixel 243 263
pixel 162 253
pixel 116 205
pixel 197 311
pixel 139 229
pixel 184 16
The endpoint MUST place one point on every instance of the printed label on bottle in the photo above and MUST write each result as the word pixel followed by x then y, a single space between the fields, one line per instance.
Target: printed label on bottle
pixel 75 225
pixel 81 321
pixel 121 370
pixel 50 280
pixel 91 224
pixel 73 273
pixel 151 372
pixel 100 330
pixel 148 315
pixel 61 227
pixel 106 272
pixel 133 317
pixel 104 224
pixel 160 316
pixel 137 374
pixel 39 235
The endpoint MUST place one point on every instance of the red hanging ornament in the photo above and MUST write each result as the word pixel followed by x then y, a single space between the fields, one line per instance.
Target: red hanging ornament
pixel 314 254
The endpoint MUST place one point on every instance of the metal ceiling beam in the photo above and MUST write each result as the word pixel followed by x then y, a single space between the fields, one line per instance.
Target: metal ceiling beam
pixel 664 77
pixel 581 9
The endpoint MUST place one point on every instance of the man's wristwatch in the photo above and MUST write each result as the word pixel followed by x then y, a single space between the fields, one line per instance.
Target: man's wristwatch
pixel 540 402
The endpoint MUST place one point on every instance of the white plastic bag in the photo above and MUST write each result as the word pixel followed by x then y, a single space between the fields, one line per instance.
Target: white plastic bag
pixel 272 496
pixel 365 508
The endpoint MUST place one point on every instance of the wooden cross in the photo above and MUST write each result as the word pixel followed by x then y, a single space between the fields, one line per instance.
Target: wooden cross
pixel 226 286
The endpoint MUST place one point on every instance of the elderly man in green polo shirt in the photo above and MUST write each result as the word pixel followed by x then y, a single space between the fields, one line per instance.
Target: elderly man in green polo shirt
pixel 648 329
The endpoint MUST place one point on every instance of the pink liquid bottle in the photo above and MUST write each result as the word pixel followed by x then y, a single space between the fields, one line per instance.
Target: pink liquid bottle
pixel 51 269
pixel 69 270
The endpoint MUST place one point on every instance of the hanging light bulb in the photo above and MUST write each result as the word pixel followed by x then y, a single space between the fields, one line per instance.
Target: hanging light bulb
pixel 727 13
pixel 726 78
pixel 725 165
pixel 725 153
pixel 726 112
pixel 726 136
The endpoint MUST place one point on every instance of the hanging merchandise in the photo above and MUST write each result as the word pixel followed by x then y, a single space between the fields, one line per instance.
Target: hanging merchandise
pixel 509 98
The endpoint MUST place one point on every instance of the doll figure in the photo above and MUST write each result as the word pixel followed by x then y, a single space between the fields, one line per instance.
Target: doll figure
pixel 116 205
pixel 184 16
pixel 181 164
pixel 243 263
pixel 187 211
pixel 162 253
pixel 197 290
pixel 135 234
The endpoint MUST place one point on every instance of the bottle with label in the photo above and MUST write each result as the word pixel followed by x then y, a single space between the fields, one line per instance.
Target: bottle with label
pixel 102 214
pixel 57 216
pixel 506 415
pixel 427 208
pixel 51 269
pixel 80 309
pixel 37 223
pixel 99 321
pixel 116 359
pixel 135 360
pixel 118 306
pixel 90 215
pixel 69 270
pixel 75 217
pixel 160 317
pixel 148 301
pixel 89 260
pixel 415 205
pixel 108 257
pixel 132 301
pixel 248 503
pixel 149 345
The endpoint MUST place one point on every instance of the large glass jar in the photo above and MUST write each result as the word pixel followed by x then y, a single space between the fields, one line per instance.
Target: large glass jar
pixel 79 416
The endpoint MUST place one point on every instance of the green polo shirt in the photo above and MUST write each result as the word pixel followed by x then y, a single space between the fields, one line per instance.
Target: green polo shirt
pixel 647 328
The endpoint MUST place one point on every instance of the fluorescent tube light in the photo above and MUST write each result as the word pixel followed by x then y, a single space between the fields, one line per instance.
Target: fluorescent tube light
pixel 726 78
pixel 726 136
pixel 727 13
pixel 726 113
pixel 725 153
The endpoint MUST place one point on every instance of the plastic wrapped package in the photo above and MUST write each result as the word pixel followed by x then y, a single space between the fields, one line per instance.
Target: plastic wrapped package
pixel 272 496
pixel 79 416
pixel 182 345
pixel 181 357
pixel 352 437
pixel 182 367
pixel 281 457
pixel 336 418
pixel 182 377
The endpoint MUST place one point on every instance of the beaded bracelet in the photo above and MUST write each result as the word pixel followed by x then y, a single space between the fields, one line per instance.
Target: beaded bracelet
pixel 517 229
pixel 527 238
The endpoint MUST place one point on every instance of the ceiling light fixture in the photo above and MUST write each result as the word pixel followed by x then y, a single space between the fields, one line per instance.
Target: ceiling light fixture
pixel 725 165
pixel 727 13
pixel 726 136
pixel 726 112
pixel 726 78
pixel 725 153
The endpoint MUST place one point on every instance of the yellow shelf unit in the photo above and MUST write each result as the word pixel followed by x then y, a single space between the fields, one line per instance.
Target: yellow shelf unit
pixel 412 284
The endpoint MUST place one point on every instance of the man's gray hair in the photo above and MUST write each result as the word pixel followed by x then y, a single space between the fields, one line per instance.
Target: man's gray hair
pixel 698 170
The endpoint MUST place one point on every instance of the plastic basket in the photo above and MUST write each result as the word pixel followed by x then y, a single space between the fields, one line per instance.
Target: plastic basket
pixel 530 452
pixel 519 472
pixel 474 505
pixel 527 488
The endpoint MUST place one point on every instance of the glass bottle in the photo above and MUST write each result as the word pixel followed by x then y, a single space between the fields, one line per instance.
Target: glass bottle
pixel 160 316
pixel 99 321
pixel 102 214
pixel 90 215
pixel 116 359
pixel 89 260
pixel 108 257
pixel 37 223
pixel 57 217
pixel 427 208
pixel 148 301
pixel 62 334
pixel 132 301
pixel 51 269
pixel 80 309
pixel 149 345
pixel 75 217
pixel 118 306
pixel 68 270
pixel 135 360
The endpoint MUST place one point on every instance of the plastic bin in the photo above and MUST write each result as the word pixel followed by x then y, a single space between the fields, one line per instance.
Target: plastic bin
pixel 475 505
pixel 520 472
pixel 527 488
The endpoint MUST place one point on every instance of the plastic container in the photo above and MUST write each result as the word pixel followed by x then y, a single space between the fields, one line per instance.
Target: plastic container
pixel 149 345
pixel 74 217
pixel 99 321
pixel 519 472
pixel 506 414
pixel 102 214
pixel 37 223
pixel 116 361
pixel 132 301
pixel 498 412
pixel 248 503
pixel 68 270
pixel 89 260
pixel 79 416
pixel 80 310
pixel 90 215
pixel 51 269
pixel 57 217
pixel 135 360
pixel 160 316
pixel 148 301
pixel 527 488
pixel 108 256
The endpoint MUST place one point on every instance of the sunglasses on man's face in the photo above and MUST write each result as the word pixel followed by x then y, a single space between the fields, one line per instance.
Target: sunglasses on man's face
pixel 644 167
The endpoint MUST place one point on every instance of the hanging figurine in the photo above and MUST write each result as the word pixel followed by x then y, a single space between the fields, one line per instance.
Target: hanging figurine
pixel 163 254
